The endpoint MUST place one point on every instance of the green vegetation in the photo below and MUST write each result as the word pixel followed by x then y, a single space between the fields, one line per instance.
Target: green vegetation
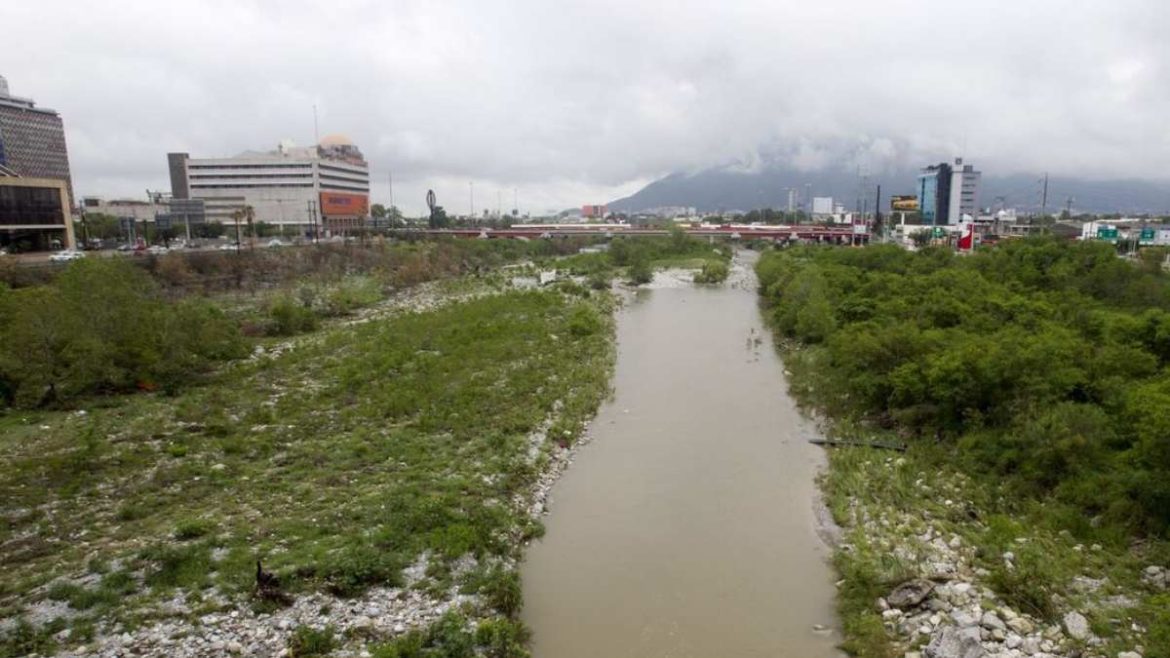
pixel 306 641
pixel 639 257
pixel 1030 384
pixel 337 458
pixel 451 637
pixel 712 272
pixel 102 326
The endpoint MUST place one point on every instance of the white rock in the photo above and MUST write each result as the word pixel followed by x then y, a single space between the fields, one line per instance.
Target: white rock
pixel 1129 654
pixel 1020 625
pixel 991 621
pixel 1076 626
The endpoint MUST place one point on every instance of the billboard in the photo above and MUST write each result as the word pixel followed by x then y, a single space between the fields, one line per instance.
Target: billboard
pixel 904 203
pixel 344 204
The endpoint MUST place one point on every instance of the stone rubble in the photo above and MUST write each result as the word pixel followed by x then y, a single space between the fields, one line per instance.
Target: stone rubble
pixel 948 611
pixel 379 615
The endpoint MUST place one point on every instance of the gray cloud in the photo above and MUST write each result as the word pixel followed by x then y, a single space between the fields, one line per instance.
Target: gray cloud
pixel 576 102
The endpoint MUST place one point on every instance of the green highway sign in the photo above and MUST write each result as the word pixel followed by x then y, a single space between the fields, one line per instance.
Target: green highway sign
pixel 1147 236
pixel 1106 233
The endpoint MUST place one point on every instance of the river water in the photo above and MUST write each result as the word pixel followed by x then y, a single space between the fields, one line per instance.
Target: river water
pixel 687 527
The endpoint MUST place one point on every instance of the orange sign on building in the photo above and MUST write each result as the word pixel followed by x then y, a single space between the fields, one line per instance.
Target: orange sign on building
pixel 341 204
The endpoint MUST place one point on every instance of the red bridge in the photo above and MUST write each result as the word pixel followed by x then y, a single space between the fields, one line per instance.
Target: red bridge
pixel 827 234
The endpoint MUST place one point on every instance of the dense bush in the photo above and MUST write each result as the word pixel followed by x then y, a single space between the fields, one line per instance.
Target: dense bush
pixel 1044 363
pixel 102 326
pixel 712 272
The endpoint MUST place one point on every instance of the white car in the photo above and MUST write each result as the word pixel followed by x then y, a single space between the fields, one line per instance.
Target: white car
pixel 231 246
pixel 66 256
pixel 157 250
pixel 275 242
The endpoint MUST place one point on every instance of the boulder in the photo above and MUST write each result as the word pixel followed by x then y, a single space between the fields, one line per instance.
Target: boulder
pixel 991 621
pixel 951 644
pixel 910 594
pixel 1020 625
pixel 1076 626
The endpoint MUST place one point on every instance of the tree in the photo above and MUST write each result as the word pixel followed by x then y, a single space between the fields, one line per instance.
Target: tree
pixel 439 218
pixel 378 211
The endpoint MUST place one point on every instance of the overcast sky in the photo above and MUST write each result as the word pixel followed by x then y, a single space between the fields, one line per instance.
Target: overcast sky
pixel 581 102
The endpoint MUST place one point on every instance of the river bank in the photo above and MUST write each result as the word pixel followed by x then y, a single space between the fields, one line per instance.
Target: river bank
pixel 939 557
pixel 385 469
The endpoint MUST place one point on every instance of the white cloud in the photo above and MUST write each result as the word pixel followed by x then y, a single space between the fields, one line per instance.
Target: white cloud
pixel 579 102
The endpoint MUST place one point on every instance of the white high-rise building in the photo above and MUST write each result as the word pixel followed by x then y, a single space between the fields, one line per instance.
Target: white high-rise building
pixel 964 193
pixel 822 205
pixel 292 187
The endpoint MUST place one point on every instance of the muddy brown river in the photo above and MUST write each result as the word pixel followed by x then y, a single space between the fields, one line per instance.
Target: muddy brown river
pixel 686 528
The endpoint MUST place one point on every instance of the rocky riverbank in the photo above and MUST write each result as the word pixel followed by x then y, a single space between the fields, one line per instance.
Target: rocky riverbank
pixel 953 580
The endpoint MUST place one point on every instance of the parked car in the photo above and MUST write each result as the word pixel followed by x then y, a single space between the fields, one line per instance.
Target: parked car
pixel 274 242
pixel 125 247
pixel 66 256
pixel 157 250
pixel 231 246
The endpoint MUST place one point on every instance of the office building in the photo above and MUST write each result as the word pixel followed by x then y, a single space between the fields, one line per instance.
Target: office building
pixel 964 192
pixel 295 188
pixel 946 193
pixel 32 140
pixel 934 194
pixel 34 214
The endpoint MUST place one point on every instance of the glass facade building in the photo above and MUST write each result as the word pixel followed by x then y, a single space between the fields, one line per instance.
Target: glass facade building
pixel 934 194
pixel 35 214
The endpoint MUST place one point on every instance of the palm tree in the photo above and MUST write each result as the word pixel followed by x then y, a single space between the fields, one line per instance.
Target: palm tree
pixel 249 215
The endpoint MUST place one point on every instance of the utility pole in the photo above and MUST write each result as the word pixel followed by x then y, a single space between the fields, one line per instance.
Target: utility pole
pixel 471 192
pixel 1044 197
pixel 877 212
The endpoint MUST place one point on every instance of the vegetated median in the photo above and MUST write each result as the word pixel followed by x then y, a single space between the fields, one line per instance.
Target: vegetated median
pixel 1030 384
pixel 362 485
pixel 634 259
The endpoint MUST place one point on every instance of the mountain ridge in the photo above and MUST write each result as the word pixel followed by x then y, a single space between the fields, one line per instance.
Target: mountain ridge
pixel 719 189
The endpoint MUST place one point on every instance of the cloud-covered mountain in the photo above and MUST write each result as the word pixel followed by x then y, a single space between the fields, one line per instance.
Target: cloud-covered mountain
pixel 731 188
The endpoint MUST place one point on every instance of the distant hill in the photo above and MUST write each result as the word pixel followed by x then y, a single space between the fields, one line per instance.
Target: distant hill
pixel 723 189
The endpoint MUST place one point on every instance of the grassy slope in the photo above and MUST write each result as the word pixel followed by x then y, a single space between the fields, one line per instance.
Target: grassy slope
pixel 337 462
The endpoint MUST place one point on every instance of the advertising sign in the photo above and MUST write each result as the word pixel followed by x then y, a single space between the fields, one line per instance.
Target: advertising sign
pixel 344 204
pixel 904 203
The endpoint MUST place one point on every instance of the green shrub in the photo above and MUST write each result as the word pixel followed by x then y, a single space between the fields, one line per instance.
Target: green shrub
pixel 641 273
pixel 712 272
pixel 584 321
pixel 289 318
pixel 103 326
pixel 356 568
pixel 501 590
pixel 502 638
pixel 308 641
pixel 352 294
pixel 192 529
